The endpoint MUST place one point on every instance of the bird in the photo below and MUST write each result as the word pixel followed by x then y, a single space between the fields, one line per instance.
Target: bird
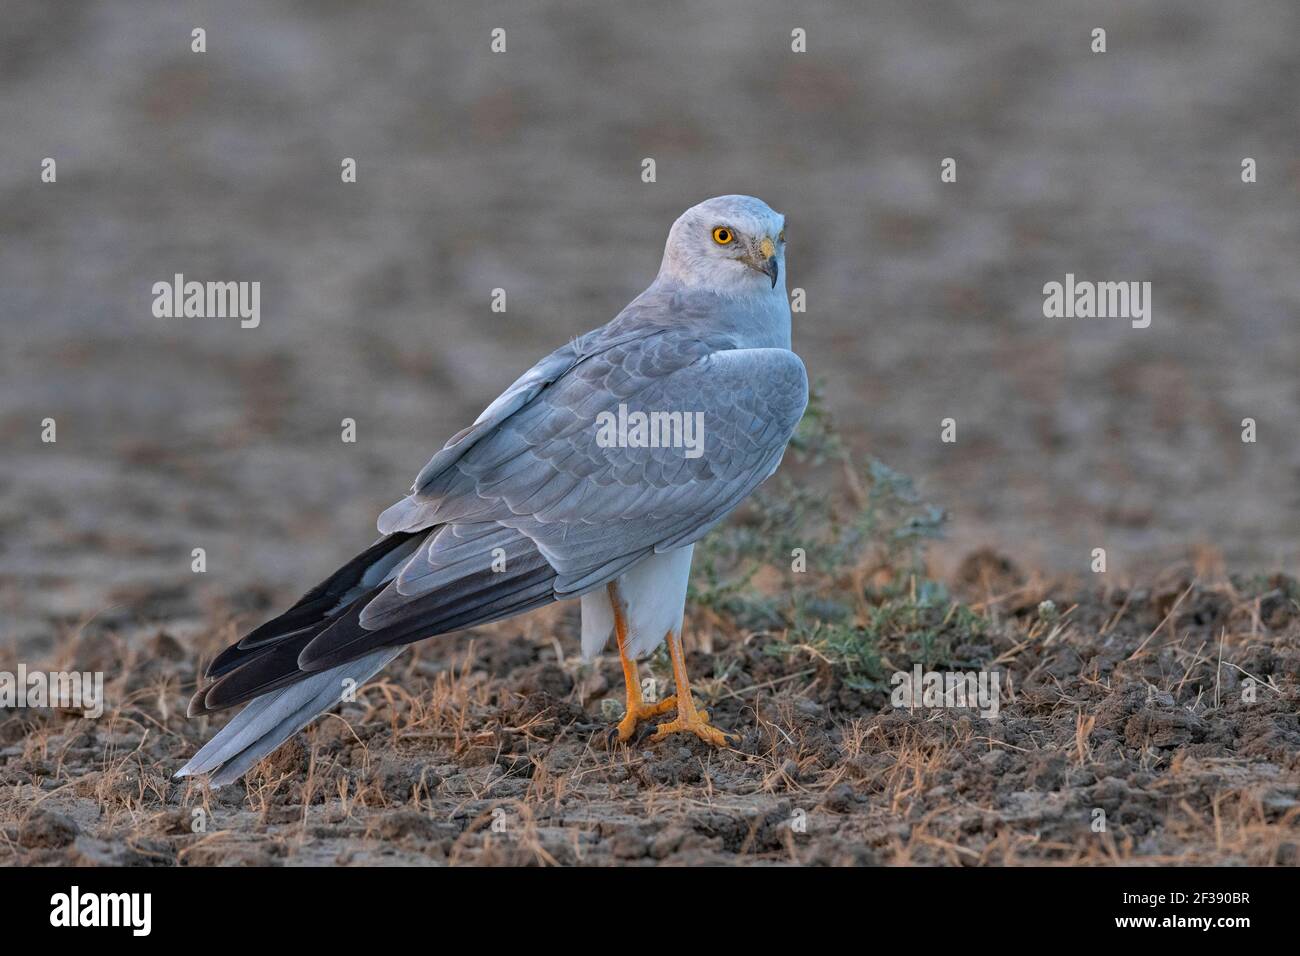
pixel 579 481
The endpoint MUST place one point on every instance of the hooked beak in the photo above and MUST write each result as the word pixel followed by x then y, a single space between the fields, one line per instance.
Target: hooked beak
pixel 764 260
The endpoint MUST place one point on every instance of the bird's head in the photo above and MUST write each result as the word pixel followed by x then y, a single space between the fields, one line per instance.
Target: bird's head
pixel 734 245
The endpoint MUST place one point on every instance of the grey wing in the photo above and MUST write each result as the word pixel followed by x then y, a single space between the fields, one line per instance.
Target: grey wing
pixel 594 511
pixel 519 394
pixel 540 485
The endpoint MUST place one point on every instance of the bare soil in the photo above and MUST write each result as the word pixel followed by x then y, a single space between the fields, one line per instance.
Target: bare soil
pixel 494 749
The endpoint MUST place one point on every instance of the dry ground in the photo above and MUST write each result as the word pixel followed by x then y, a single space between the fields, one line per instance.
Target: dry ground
pixel 493 749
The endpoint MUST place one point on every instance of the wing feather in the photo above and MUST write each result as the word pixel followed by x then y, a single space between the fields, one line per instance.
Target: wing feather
pixel 531 478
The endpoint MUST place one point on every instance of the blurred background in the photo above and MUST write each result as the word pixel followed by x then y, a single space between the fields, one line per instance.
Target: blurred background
pixel 522 171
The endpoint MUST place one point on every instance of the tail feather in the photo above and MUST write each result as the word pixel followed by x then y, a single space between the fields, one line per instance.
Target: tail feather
pixel 326 599
pixel 294 667
pixel 273 718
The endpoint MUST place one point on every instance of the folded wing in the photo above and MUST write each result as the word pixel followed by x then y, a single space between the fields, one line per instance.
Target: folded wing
pixel 533 504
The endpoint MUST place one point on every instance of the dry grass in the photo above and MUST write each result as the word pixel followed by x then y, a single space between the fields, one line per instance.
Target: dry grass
pixel 1128 703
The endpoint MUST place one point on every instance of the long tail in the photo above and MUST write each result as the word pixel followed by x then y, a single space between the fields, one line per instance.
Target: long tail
pixel 405 587
pixel 273 718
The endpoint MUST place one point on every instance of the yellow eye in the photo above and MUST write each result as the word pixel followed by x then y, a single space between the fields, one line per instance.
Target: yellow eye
pixel 781 237
pixel 723 236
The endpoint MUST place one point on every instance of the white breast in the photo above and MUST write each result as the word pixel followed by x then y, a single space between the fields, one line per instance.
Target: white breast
pixel 655 591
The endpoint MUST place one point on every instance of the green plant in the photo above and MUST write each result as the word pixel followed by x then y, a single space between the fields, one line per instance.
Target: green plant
pixel 839 573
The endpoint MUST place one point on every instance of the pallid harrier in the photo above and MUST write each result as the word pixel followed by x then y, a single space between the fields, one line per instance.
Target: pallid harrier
pixel 559 490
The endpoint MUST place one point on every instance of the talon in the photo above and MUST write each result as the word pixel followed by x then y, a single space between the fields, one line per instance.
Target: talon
pixel 698 724
pixel 639 712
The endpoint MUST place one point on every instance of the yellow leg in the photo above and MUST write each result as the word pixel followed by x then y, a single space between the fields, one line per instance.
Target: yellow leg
pixel 689 718
pixel 637 709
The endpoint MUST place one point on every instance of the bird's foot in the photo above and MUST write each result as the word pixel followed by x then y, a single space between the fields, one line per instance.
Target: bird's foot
pixel 639 712
pixel 695 722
